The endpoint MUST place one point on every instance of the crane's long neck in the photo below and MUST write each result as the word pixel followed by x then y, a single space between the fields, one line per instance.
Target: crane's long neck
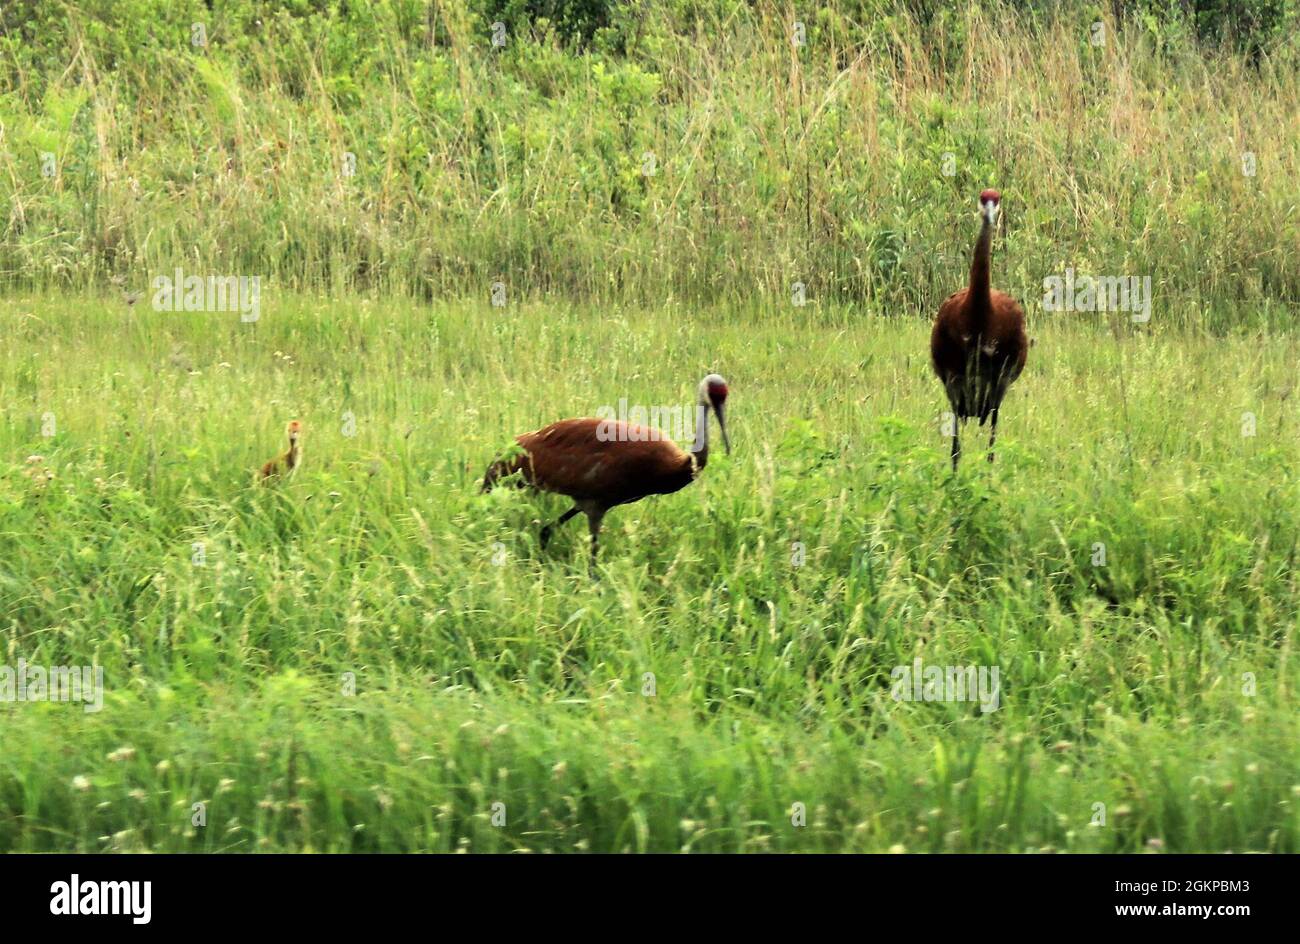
pixel 979 271
pixel 294 454
pixel 700 450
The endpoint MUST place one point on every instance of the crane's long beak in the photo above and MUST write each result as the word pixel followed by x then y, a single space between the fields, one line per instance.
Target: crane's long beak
pixel 722 428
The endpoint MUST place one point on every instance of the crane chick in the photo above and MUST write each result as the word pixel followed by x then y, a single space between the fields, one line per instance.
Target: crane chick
pixel 600 463
pixel 285 464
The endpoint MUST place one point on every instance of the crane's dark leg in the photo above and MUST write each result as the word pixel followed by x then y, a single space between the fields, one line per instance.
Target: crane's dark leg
pixel 954 403
pixel 594 517
pixel 993 431
pixel 547 529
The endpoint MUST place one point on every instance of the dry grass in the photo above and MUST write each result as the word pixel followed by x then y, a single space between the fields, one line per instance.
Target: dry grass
pixel 774 164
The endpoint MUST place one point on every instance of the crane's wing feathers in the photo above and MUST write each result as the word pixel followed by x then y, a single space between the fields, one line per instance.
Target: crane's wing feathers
pixel 602 460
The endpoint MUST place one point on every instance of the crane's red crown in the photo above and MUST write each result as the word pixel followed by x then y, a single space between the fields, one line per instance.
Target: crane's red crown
pixel 294 427
pixel 990 195
pixel 718 390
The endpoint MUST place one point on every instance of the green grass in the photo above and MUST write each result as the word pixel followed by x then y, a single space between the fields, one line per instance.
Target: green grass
pixel 849 164
pixel 521 682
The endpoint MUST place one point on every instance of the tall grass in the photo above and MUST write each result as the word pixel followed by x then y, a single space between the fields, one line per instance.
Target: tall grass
pixel 849 164
pixel 372 656
pixel 1159 682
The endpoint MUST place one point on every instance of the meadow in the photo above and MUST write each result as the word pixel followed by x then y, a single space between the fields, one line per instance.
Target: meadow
pixel 485 671
pixel 458 242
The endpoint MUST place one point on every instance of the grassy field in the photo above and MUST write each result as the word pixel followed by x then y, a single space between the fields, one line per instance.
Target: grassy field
pixel 690 151
pixel 373 656
pixel 1159 683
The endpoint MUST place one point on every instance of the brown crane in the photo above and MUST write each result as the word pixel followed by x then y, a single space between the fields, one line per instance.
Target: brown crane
pixel 600 463
pixel 978 345
pixel 290 460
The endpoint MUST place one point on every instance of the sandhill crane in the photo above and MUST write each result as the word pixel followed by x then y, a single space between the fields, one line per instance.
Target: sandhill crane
pixel 286 463
pixel 600 463
pixel 978 344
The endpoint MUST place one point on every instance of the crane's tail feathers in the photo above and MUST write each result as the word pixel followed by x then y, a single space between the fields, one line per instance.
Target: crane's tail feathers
pixel 503 469
pixel 976 400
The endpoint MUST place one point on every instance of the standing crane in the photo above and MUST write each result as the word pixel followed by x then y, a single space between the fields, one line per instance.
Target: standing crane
pixel 978 345
pixel 600 463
